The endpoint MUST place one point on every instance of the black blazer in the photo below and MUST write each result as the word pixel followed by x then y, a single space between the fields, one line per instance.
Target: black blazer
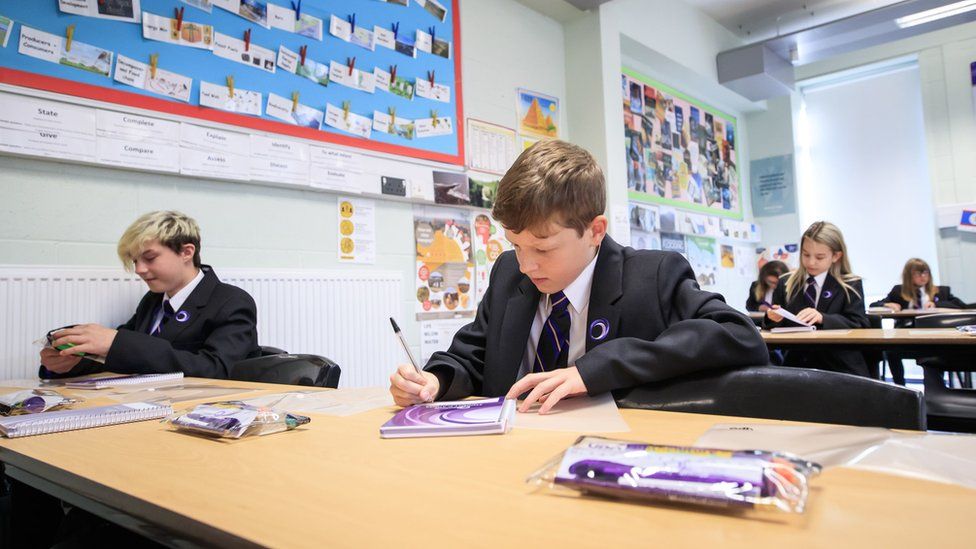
pixel 221 329
pixel 647 321
pixel 840 312
pixel 752 304
pixel 943 298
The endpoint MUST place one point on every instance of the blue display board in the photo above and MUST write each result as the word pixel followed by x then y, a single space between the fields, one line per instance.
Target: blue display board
pixel 127 39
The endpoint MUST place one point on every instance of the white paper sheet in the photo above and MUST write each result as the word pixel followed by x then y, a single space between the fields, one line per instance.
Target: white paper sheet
pixel 946 458
pixel 581 414
pixel 339 402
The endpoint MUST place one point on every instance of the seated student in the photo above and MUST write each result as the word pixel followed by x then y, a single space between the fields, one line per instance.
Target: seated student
pixel 188 322
pixel 822 292
pixel 761 291
pixel 916 291
pixel 569 311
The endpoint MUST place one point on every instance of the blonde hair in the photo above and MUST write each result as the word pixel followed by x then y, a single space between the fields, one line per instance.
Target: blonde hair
pixel 551 181
pixel 826 233
pixel 172 229
pixel 915 265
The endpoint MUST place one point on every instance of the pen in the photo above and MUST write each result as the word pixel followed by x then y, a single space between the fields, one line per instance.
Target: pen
pixel 406 348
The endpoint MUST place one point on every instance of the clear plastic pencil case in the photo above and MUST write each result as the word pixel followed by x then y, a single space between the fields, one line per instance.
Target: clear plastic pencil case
pixel 235 419
pixel 638 471
pixel 32 401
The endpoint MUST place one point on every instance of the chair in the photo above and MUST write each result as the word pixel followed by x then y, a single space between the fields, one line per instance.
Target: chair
pixel 949 409
pixel 775 392
pixel 276 366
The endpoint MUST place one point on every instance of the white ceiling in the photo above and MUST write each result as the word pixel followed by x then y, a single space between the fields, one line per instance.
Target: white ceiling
pixel 760 19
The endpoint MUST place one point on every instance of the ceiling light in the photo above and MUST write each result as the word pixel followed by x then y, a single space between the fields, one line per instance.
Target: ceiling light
pixel 935 14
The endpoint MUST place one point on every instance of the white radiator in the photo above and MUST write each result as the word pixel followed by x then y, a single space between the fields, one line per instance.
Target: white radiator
pixel 342 315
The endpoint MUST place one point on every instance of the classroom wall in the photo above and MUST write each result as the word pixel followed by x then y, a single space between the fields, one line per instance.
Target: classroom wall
pixel 63 214
pixel 671 42
pixel 950 127
pixel 771 134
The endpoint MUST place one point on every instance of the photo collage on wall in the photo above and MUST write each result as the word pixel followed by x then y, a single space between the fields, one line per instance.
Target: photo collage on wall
pixel 678 151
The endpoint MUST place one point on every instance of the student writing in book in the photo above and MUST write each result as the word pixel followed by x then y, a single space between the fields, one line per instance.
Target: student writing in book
pixel 761 291
pixel 188 322
pixel 569 311
pixel 822 292
pixel 916 291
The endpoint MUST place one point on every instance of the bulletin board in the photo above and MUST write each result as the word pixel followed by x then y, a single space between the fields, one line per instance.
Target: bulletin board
pixel 679 151
pixel 126 38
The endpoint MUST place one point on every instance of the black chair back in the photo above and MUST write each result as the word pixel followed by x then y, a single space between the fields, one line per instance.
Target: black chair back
pixel 945 320
pixel 288 369
pixel 949 409
pixel 774 392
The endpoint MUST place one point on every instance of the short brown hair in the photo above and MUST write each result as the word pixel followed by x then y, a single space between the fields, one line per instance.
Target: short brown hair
pixel 551 181
pixel 172 229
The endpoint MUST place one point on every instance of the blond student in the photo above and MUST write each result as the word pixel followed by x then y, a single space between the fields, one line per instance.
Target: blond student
pixel 569 311
pixel 189 321
pixel 825 293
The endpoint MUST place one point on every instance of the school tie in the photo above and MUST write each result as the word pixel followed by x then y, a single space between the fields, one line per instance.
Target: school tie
pixel 553 349
pixel 168 313
pixel 811 292
pixel 918 299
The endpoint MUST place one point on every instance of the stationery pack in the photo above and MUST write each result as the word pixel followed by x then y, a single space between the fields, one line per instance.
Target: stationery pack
pixel 638 471
pixel 84 418
pixel 235 419
pixel 32 401
pixel 463 417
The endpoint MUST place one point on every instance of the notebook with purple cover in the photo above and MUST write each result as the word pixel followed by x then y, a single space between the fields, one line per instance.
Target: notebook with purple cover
pixel 463 417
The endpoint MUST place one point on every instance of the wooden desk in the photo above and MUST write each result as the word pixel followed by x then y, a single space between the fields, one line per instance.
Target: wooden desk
pixel 873 337
pixel 335 483
pixel 912 313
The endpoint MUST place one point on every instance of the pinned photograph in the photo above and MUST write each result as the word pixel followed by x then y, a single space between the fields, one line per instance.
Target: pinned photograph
pixel 87 57
pixel 405 45
pixel 402 87
pixel 397 2
pixel 363 38
pixel 255 10
pixel 307 117
pixel 441 48
pixel 119 10
pixel 204 5
pixel 316 72
pixel 434 8
pixel 451 188
pixel 6 25
pixel 116 8
pixel 309 26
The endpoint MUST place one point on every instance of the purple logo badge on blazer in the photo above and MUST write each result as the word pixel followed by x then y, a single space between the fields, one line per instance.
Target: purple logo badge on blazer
pixel 936 299
pixel 828 294
pixel 599 329
pixel 182 316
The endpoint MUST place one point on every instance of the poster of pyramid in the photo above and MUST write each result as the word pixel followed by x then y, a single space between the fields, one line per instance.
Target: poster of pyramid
pixel 538 114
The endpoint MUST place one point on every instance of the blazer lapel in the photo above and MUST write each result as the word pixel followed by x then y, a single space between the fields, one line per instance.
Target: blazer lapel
pixel 607 287
pixel 145 323
pixel 516 325
pixel 829 292
pixel 189 313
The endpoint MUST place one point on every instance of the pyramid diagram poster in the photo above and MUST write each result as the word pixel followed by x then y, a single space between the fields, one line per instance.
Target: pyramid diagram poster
pixel 538 114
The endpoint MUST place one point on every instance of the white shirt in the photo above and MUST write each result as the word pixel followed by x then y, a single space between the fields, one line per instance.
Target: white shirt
pixel 818 282
pixel 178 299
pixel 768 298
pixel 578 293
pixel 925 298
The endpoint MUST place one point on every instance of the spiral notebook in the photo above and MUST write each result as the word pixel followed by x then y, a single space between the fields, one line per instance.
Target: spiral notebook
pixel 85 418
pixel 462 417
pixel 119 381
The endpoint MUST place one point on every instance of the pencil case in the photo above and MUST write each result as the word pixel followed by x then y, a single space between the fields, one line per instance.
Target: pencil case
pixel 700 476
